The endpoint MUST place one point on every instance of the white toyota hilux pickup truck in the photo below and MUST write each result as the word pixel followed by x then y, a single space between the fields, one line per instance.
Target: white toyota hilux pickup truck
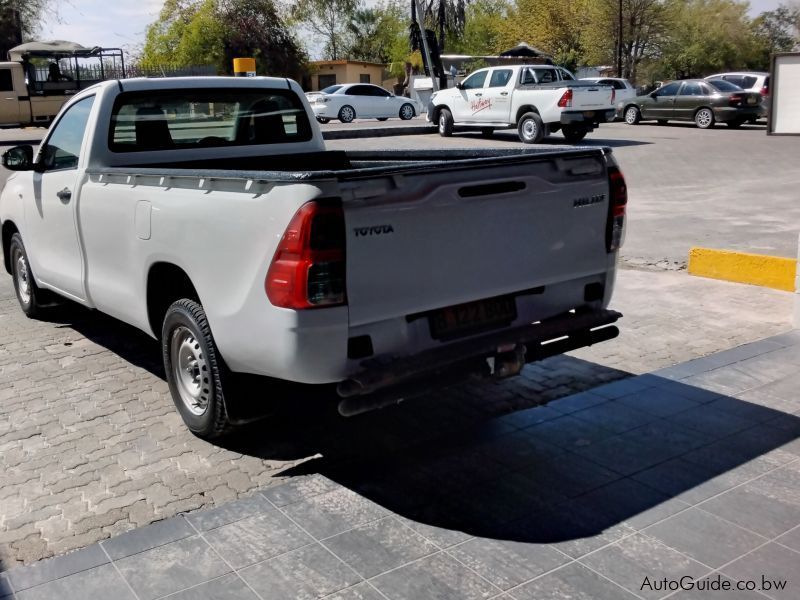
pixel 537 100
pixel 207 213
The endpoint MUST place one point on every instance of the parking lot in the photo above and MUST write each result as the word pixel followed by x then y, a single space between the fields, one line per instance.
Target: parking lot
pixel 90 444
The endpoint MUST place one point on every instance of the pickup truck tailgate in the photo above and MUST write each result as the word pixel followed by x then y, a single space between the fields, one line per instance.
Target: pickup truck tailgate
pixel 437 238
pixel 592 97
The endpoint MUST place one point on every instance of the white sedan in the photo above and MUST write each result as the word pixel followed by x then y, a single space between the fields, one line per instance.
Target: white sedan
pixel 360 100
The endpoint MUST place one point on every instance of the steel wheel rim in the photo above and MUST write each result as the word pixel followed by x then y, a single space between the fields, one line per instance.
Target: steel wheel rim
pixel 704 118
pixel 347 113
pixel 23 279
pixel 406 112
pixel 190 371
pixel 529 129
pixel 630 116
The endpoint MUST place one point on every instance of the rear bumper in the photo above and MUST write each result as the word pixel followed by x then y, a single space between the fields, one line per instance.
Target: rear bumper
pixel 724 114
pixel 407 376
pixel 590 117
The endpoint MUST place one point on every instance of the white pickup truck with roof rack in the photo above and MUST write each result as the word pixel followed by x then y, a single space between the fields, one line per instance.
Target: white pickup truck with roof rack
pixel 535 99
pixel 207 213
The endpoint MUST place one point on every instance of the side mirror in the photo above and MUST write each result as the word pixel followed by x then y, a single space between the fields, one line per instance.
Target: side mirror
pixel 460 86
pixel 19 158
pixel 653 94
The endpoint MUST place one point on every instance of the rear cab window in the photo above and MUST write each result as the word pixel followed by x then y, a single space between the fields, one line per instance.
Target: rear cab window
pixel 182 119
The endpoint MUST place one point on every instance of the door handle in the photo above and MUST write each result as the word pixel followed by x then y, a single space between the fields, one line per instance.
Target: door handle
pixel 479 94
pixel 64 195
pixel 504 93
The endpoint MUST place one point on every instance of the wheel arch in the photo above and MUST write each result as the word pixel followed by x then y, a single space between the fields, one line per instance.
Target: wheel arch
pixel 437 110
pixel 525 109
pixel 166 283
pixel 9 229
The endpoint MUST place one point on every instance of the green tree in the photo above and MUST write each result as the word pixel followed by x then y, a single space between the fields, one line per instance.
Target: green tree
pixel 193 32
pixel 327 20
pixel 445 17
pixel 554 26
pixel 707 36
pixel 378 34
pixel 778 30
pixel 484 23
pixel 19 20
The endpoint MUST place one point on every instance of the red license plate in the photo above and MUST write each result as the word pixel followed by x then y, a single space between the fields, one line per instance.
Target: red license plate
pixel 472 317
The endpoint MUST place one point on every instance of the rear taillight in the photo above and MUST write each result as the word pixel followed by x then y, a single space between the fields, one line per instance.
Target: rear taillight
pixel 618 200
pixel 735 99
pixel 566 99
pixel 308 269
pixel 764 91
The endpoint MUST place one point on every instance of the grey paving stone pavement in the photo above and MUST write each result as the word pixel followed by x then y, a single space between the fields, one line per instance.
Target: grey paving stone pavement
pixel 626 503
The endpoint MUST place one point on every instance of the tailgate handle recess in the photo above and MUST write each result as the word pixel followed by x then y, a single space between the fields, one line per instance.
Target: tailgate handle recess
pixel 489 189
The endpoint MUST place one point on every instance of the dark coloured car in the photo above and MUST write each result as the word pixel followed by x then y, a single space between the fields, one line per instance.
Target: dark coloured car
pixel 703 101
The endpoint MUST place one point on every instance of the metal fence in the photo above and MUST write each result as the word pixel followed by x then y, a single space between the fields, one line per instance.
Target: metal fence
pixel 97 72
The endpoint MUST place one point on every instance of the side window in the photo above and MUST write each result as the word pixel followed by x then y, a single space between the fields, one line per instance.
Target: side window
pixel 691 89
pixel 566 75
pixel 6 85
pixel 356 90
pixel 668 90
pixel 378 92
pixel 545 75
pixel 500 77
pixel 734 79
pixel 618 85
pixel 474 81
pixel 63 147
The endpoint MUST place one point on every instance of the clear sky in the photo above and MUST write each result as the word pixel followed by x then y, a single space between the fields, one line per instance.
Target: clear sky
pixel 122 23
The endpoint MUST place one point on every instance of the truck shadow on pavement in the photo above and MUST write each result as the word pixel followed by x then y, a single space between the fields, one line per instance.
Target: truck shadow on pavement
pixel 482 459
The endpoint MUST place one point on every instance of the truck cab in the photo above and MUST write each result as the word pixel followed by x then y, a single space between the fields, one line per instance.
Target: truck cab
pixel 40 77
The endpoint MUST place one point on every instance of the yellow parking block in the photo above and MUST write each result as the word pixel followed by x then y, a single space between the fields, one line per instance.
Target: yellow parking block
pixel 756 269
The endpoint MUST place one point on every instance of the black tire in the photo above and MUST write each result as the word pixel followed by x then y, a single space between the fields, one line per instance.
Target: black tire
pixel 407 112
pixel 445 123
pixel 347 113
pixel 30 297
pixel 487 131
pixel 632 115
pixel 323 120
pixel 530 128
pixel 186 336
pixel 736 123
pixel 574 133
pixel 704 118
pixel 383 118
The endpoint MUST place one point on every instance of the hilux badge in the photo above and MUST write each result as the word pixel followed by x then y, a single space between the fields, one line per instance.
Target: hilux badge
pixel 588 201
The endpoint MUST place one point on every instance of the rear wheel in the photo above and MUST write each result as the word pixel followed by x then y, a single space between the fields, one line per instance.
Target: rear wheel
pixel 530 128
pixel 195 371
pixel 632 115
pixel 347 113
pixel 574 133
pixel 704 118
pixel 406 112
pixel 28 293
pixel 445 123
